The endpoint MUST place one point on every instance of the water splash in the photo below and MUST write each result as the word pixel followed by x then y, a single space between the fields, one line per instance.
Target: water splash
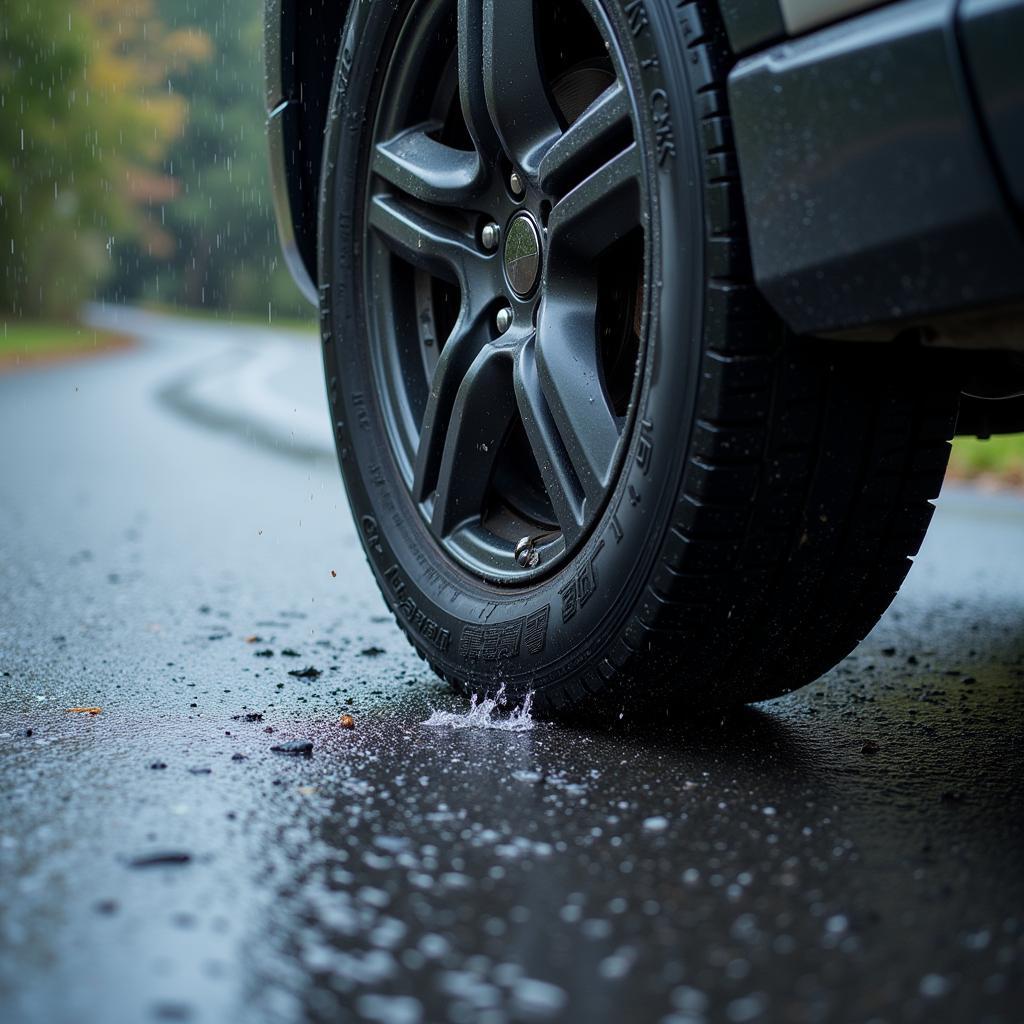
pixel 485 713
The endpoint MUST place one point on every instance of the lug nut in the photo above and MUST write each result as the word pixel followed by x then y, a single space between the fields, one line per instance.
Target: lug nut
pixel 527 555
pixel 504 319
pixel 490 236
pixel 516 184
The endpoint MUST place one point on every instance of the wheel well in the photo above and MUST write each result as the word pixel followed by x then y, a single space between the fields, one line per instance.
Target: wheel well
pixel 310 37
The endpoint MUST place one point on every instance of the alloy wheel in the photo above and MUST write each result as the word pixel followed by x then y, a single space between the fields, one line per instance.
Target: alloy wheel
pixel 506 268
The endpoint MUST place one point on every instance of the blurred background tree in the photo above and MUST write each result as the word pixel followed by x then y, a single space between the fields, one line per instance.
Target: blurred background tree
pixel 132 158
pixel 85 118
pixel 226 255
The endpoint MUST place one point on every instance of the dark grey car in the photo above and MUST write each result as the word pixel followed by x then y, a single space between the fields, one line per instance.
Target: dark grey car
pixel 646 324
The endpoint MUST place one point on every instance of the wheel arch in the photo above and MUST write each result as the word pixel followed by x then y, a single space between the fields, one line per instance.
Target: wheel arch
pixel 301 42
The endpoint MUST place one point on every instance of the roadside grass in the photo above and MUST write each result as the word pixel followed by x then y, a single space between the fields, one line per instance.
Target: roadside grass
pixel 285 323
pixel 999 460
pixel 38 341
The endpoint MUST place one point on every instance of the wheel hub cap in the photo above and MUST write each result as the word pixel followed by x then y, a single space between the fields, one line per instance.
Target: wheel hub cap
pixel 522 255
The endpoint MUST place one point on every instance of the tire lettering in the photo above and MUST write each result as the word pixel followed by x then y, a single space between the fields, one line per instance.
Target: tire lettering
pixel 578 591
pixel 662 114
pixel 372 534
pixel 505 640
pixel 413 615
pixel 636 12
pixel 617 528
pixel 645 446
pixel 362 416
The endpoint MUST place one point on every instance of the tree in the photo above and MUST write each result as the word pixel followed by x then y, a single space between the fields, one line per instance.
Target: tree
pixel 85 119
pixel 226 253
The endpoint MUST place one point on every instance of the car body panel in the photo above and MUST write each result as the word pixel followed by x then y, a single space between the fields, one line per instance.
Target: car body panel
pixel 881 157
pixel 869 186
pixel 755 23
pixel 301 47
pixel 992 35
pixel 800 15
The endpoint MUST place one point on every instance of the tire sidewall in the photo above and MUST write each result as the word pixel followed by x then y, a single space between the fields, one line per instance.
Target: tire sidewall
pixel 551 637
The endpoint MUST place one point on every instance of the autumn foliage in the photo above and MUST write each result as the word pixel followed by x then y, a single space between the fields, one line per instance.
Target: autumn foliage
pixel 86 118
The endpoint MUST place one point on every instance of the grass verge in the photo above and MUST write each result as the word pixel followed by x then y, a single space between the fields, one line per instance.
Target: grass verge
pixel 998 461
pixel 26 344
pixel 304 325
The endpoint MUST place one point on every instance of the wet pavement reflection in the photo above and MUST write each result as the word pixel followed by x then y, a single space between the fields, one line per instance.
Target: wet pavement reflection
pixel 853 851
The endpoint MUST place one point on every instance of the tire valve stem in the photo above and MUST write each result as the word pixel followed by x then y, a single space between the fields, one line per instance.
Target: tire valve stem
pixel 527 554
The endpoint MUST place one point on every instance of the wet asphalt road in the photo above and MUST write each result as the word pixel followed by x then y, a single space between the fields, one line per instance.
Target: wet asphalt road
pixel 852 852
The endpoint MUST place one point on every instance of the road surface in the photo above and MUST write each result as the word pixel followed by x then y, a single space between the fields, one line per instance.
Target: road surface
pixel 171 523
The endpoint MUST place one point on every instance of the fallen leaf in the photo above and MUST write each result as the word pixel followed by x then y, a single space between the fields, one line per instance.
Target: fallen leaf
pixel 254 639
pixel 348 722
pixel 84 711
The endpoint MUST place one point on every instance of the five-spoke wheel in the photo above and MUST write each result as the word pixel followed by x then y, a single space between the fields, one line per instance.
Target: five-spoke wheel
pixel 505 244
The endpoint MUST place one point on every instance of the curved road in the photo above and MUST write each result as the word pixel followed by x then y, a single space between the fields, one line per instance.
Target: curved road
pixel 170 515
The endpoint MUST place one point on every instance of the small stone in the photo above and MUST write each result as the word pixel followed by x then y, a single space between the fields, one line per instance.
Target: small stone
pixel 238 757
pixel 934 986
pixel 309 672
pixel 158 766
pixel 294 747
pixel 152 860
pixel 172 1011
pixel 347 722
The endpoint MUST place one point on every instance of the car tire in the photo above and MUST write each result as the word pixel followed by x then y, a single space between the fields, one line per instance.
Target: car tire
pixel 763 498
